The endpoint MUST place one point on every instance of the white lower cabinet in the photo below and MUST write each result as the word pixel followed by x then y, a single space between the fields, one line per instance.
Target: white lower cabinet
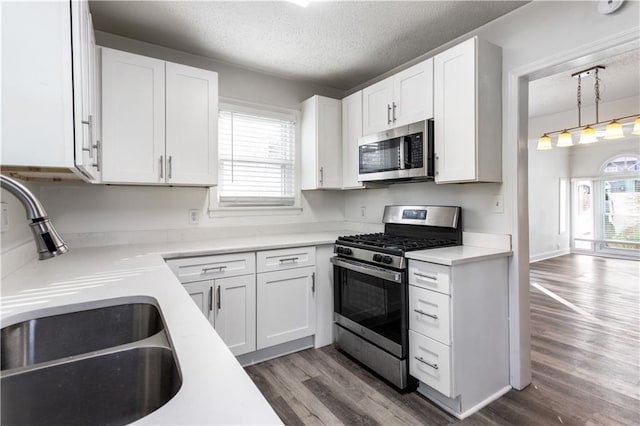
pixel 254 311
pixel 459 332
pixel 235 312
pixel 286 306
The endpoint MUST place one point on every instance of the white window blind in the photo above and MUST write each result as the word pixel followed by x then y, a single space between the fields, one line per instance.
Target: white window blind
pixel 256 160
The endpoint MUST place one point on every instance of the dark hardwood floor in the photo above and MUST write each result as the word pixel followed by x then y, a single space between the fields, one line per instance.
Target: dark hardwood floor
pixel 585 359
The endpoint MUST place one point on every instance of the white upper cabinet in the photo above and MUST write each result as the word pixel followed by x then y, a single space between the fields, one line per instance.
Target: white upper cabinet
pixel 351 132
pixel 401 99
pixel 141 98
pixel 321 137
pixel 468 113
pixel 45 83
pixel 192 125
pixel 133 118
pixel 85 91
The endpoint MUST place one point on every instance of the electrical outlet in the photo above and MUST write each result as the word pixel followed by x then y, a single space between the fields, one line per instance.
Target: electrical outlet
pixel 363 211
pixel 194 216
pixel 4 217
pixel 497 205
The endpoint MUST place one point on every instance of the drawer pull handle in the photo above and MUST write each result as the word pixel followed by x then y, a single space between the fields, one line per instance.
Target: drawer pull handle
pixel 289 259
pixel 430 277
pixel 419 358
pixel 425 313
pixel 214 268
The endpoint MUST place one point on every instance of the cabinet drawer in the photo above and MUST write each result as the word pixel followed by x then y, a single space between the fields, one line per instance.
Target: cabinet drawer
pixel 430 362
pixel 430 276
pixel 429 314
pixel 212 267
pixel 278 260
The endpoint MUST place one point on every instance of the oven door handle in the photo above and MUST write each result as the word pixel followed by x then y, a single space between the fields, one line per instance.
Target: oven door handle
pixel 366 269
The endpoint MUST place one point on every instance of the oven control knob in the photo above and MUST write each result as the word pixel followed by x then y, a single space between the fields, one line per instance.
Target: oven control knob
pixel 387 259
pixel 377 258
pixel 346 250
pixel 340 250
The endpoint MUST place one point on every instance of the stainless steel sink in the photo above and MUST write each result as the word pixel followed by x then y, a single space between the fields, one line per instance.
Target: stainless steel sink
pixel 59 336
pixel 108 365
pixel 115 388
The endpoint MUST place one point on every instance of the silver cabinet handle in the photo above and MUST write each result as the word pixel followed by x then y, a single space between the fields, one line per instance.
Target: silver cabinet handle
pixel 89 123
pixel 313 282
pixel 428 276
pixel 210 299
pixel 169 167
pixel 289 259
pixel 98 163
pixel 219 302
pixel 394 112
pixel 214 268
pixel 419 358
pixel 388 114
pixel 425 313
pixel 321 176
pixel 161 166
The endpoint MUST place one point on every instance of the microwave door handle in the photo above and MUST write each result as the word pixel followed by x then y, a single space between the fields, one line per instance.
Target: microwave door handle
pixel 401 160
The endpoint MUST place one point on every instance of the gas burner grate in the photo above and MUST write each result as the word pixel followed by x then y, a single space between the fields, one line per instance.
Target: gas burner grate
pixel 394 242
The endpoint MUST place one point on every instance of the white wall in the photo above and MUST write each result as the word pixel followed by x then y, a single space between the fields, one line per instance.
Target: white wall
pixel 587 160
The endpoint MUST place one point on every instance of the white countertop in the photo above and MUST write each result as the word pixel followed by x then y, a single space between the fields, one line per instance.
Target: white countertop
pixel 457 255
pixel 215 388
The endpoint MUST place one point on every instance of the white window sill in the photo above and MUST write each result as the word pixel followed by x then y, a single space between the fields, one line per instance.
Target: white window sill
pixel 254 211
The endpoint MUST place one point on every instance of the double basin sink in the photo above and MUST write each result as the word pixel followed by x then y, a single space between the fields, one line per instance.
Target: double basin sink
pixel 104 365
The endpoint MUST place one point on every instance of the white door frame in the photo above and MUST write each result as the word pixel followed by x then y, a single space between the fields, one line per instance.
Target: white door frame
pixel 515 152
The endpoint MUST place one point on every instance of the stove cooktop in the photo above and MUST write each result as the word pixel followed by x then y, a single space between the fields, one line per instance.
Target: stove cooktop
pixel 393 243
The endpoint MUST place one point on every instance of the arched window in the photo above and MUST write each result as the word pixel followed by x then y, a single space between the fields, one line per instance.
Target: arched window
pixel 622 164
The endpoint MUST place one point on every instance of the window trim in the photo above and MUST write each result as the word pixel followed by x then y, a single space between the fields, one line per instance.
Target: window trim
pixel 271 111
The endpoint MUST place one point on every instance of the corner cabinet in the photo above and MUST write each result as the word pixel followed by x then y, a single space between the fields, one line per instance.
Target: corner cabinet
pixel 401 99
pixel 159 121
pixel 286 290
pixel 459 332
pixel 468 113
pixel 351 133
pixel 321 137
pixel 49 88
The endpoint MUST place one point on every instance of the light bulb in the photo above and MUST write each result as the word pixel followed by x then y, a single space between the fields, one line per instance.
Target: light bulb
pixel 614 131
pixel 564 139
pixel 544 143
pixel 636 127
pixel 588 135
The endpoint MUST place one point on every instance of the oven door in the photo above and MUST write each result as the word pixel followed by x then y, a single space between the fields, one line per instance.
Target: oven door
pixel 372 302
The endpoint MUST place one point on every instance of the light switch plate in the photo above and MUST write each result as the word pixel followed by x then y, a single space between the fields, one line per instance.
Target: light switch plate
pixel 194 216
pixel 497 205
pixel 4 217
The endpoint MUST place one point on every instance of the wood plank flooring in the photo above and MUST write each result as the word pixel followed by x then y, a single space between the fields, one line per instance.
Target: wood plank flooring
pixel 585 359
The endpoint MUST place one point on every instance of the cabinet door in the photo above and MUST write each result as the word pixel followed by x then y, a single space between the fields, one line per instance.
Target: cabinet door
pixel 329 143
pixel 133 118
pixel 351 132
pixel 286 306
pixel 413 94
pixel 235 312
pixel 37 101
pixel 455 113
pixel 377 103
pixel 202 294
pixel 192 125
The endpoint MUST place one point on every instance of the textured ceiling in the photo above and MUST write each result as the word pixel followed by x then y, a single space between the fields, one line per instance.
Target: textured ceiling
pixel 339 44
pixel 557 93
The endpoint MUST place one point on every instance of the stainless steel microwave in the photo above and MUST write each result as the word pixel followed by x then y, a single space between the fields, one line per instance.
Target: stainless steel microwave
pixel 402 153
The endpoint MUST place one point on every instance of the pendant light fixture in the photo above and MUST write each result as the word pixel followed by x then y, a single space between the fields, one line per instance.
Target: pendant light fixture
pixel 588 134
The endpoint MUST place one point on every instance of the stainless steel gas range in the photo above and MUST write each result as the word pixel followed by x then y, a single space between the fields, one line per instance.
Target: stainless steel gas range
pixel 371 299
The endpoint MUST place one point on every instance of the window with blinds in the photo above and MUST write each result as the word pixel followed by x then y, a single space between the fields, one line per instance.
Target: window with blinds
pixel 256 160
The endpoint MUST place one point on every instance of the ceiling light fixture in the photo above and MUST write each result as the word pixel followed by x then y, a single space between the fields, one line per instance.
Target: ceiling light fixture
pixel 588 134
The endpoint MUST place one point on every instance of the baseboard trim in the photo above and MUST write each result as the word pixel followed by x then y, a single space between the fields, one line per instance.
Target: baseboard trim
pixel 549 255
pixel 482 404
pixel 276 351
